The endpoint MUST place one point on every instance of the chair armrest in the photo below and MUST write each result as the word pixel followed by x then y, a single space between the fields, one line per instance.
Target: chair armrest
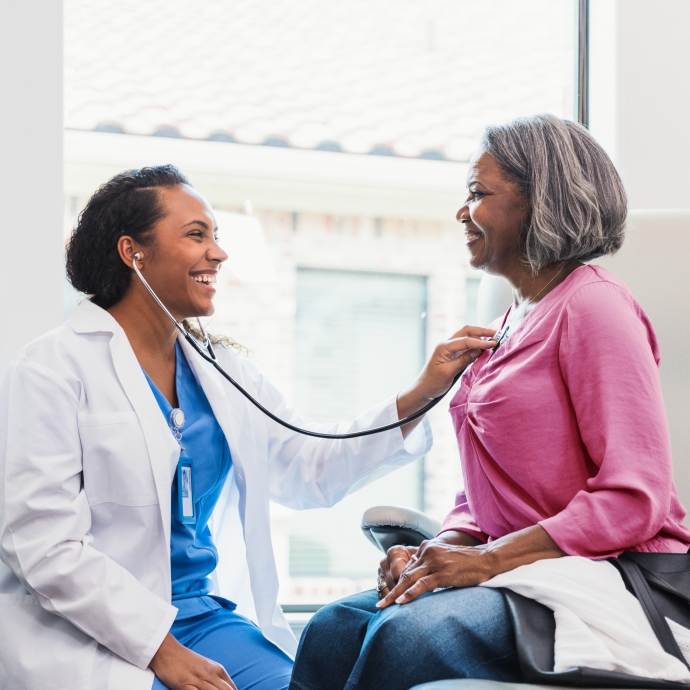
pixel 386 526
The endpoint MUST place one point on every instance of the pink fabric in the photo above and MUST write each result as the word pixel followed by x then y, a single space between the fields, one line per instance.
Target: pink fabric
pixel 564 426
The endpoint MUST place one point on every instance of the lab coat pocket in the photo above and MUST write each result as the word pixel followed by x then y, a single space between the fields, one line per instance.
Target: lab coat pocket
pixel 116 463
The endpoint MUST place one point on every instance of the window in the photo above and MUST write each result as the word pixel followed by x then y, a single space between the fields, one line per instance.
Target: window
pixel 332 139
pixel 471 295
pixel 363 335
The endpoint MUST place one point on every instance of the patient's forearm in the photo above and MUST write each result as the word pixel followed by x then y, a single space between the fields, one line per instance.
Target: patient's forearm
pixel 520 548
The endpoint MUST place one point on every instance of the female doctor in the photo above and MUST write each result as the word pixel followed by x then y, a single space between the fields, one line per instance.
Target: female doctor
pixel 108 576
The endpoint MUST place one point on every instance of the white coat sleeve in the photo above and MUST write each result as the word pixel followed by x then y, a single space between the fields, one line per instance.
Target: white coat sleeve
pixel 308 472
pixel 45 521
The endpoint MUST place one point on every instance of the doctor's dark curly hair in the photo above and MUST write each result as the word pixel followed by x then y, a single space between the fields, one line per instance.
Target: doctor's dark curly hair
pixel 128 204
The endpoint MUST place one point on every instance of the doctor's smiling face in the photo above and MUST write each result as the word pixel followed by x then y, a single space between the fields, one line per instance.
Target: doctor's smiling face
pixel 493 217
pixel 181 259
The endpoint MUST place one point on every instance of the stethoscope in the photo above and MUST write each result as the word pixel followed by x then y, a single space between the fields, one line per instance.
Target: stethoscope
pixel 211 359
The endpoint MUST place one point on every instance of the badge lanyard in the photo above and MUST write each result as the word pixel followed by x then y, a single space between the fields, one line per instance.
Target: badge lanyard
pixel 185 489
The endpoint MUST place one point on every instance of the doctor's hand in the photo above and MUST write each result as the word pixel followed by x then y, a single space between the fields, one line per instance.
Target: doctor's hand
pixel 179 668
pixel 448 359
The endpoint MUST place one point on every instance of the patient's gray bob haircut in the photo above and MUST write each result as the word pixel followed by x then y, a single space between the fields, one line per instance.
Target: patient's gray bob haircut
pixel 578 203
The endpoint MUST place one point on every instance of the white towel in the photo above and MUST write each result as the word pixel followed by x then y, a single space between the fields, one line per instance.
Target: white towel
pixel 599 624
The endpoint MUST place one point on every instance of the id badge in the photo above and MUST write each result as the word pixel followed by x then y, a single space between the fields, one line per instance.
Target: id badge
pixel 185 491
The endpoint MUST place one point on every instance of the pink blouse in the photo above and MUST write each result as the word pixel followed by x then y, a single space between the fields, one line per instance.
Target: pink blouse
pixel 564 426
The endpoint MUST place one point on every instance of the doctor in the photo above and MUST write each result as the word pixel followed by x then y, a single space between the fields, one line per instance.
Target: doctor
pixel 110 576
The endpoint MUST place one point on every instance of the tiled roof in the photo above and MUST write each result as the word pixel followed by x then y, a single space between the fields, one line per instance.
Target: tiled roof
pixel 393 77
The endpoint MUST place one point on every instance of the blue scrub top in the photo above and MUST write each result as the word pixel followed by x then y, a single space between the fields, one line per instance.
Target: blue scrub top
pixel 193 555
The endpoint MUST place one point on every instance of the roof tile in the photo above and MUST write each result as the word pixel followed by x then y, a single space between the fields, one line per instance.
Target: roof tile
pixel 400 76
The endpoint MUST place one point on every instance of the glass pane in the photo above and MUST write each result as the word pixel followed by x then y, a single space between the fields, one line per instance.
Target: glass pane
pixel 332 141
pixel 347 325
pixel 389 77
pixel 471 295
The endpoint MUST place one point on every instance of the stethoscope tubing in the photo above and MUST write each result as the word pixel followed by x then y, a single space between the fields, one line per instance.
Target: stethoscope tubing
pixel 211 359
pixel 307 432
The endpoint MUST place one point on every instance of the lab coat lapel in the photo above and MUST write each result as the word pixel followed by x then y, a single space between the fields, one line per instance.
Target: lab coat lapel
pixel 164 451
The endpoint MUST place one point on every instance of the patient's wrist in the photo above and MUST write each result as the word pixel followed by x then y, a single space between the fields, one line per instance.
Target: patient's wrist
pixel 520 548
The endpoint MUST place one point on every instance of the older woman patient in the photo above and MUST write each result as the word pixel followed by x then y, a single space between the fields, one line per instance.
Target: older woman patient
pixel 561 428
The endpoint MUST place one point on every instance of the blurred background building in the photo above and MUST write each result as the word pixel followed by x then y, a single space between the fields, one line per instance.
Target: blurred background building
pixel 332 140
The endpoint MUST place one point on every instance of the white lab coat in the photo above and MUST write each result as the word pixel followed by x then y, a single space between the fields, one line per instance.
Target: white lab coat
pixel 86 465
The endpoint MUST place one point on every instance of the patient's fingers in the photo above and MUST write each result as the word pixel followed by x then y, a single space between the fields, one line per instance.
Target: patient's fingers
pixel 439 564
pixel 422 586
pixel 394 562
pixel 399 557
pixel 407 579
pixel 385 576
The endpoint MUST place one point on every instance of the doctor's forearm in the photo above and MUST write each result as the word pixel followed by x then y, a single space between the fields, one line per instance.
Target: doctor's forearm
pixel 409 402
pixel 448 360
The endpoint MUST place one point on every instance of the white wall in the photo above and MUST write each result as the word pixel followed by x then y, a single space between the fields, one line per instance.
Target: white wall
pixel 640 100
pixel 640 112
pixel 660 281
pixel 30 172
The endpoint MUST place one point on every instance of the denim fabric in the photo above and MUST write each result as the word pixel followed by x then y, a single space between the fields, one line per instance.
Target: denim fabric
pixel 454 633
pixel 250 659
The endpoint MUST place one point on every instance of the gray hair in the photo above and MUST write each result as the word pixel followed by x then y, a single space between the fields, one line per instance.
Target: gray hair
pixel 578 203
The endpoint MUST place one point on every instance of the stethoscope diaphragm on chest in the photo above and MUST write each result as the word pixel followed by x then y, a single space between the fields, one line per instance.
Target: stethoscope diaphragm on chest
pixel 500 337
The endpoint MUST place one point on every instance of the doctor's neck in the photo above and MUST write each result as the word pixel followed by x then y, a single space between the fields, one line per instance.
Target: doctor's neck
pixel 150 332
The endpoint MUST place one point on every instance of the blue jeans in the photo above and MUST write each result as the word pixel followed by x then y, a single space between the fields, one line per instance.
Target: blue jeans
pixel 250 659
pixel 454 633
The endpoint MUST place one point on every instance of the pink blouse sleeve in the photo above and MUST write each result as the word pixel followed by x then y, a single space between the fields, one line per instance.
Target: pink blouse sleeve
pixel 460 519
pixel 609 362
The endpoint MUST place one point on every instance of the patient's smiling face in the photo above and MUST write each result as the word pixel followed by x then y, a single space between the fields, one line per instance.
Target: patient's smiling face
pixel 493 216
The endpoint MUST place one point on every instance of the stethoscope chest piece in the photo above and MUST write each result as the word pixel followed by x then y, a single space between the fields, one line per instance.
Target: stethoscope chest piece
pixel 501 337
